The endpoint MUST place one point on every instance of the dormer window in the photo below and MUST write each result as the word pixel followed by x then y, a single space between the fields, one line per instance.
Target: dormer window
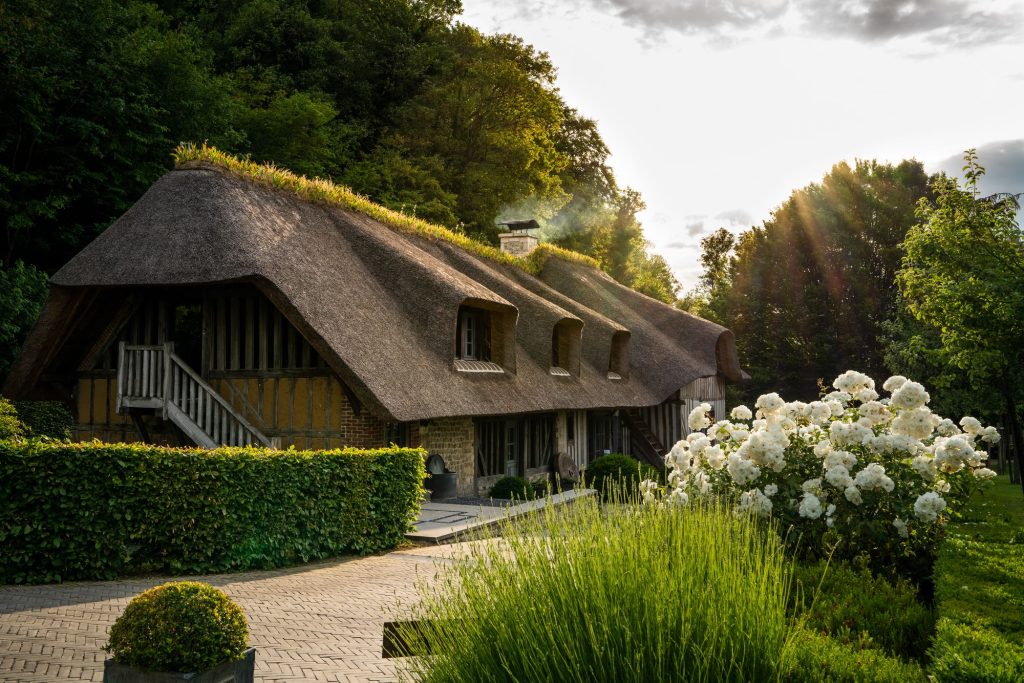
pixel 473 336
pixel 485 339
pixel 565 348
pixel 618 359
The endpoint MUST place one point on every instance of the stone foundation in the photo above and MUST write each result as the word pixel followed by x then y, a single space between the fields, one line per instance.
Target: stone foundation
pixel 454 440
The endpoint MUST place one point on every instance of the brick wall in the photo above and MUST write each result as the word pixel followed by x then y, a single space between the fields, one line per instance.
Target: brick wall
pixel 454 439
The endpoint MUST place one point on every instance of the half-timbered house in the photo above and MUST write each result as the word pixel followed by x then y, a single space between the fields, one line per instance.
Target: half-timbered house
pixel 218 310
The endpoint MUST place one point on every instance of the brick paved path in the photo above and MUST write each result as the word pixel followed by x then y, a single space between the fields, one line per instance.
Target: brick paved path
pixel 318 622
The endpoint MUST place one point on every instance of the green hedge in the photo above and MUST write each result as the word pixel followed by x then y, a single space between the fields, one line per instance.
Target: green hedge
pixel 46 418
pixel 95 511
pixel 979 592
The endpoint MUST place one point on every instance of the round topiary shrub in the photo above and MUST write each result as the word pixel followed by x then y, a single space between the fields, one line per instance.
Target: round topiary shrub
pixel 513 487
pixel 619 472
pixel 183 626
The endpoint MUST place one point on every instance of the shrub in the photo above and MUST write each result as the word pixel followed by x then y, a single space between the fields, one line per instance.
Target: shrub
pixel 513 487
pixel 812 658
pixel 631 593
pixel 46 418
pixel 10 425
pixel 614 470
pixel 184 626
pixel 979 593
pixel 851 475
pixel 96 511
pixel 854 606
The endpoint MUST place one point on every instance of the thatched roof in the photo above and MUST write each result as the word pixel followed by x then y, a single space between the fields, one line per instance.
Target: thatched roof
pixel 380 304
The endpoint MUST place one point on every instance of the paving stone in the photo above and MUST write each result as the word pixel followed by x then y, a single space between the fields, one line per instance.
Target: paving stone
pixel 318 622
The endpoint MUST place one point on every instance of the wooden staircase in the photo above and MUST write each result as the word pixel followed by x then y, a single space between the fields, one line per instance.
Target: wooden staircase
pixel 643 441
pixel 154 377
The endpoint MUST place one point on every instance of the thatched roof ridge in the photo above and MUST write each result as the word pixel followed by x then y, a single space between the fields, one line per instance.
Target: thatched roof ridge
pixel 380 304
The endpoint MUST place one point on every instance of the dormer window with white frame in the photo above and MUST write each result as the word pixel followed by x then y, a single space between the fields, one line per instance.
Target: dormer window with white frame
pixel 475 330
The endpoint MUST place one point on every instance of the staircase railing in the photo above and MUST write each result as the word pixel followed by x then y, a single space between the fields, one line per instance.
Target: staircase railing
pixel 645 443
pixel 155 377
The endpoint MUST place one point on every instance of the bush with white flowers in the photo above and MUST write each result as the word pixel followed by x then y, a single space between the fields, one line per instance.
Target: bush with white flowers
pixel 852 473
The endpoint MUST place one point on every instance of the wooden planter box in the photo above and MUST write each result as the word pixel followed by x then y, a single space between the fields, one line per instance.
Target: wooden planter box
pixel 240 671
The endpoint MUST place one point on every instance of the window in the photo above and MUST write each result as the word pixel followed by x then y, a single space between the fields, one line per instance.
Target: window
pixel 514 445
pixel 618 359
pixel 565 348
pixel 473 336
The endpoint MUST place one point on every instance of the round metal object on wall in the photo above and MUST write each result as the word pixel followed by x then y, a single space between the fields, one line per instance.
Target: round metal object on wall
pixel 567 468
pixel 435 464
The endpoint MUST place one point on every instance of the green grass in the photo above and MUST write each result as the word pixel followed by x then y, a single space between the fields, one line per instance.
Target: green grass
pixel 979 591
pixel 321 190
pixel 627 593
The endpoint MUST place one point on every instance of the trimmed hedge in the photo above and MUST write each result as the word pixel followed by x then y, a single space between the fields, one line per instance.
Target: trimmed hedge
pixel 979 592
pixel 97 511
pixel 46 418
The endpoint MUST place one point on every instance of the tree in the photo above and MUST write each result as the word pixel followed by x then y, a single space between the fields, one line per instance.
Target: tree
pixel 806 292
pixel 963 276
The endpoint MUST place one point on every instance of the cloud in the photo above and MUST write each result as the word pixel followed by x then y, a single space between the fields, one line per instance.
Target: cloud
pixel 1003 162
pixel 944 22
pixel 696 16
pixel 735 217
pixel 678 245
pixel 949 23
pixel 695 228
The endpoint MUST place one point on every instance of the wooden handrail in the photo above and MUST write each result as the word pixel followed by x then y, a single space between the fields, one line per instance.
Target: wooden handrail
pixel 156 377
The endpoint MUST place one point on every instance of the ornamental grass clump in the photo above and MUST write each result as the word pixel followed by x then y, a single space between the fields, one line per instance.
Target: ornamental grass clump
pixel 183 626
pixel 853 474
pixel 624 593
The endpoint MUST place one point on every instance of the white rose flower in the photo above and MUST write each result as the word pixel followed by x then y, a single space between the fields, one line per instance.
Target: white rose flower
pixel 810 506
pixel 755 502
pixel 941 485
pixel 715 457
pixel 909 396
pixel 983 473
pixel 741 413
pixel 925 466
pixel 914 422
pixel 970 425
pixel 990 435
pixel 947 427
pixel 839 477
pixel 698 418
pixel 811 485
pixel 769 403
pixel 866 395
pixel 840 397
pixel 894 383
pixel 874 478
pixel 852 494
pixel 820 412
pixel 678 497
pixel 742 470
pixel 770 490
pixel 929 506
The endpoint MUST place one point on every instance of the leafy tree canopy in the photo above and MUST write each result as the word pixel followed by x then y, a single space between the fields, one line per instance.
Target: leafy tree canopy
pixel 394 98
pixel 807 292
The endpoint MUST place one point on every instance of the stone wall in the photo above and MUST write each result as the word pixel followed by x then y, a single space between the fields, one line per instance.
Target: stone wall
pixel 454 440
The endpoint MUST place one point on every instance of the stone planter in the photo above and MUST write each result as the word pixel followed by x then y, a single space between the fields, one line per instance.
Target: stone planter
pixel 240 671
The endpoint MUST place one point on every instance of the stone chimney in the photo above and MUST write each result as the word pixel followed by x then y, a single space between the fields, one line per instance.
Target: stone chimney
pixel 518 241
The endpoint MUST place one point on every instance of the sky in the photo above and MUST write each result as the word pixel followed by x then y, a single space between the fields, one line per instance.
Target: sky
pixel 716 111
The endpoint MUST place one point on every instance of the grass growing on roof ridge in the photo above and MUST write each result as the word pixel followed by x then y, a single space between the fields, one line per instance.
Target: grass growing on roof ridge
pixel 321 190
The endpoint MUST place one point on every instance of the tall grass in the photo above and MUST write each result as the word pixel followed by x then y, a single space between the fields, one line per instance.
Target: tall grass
pixel 624 593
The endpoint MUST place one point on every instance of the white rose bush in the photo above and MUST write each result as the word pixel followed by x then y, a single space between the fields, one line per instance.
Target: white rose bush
pixel 853 474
